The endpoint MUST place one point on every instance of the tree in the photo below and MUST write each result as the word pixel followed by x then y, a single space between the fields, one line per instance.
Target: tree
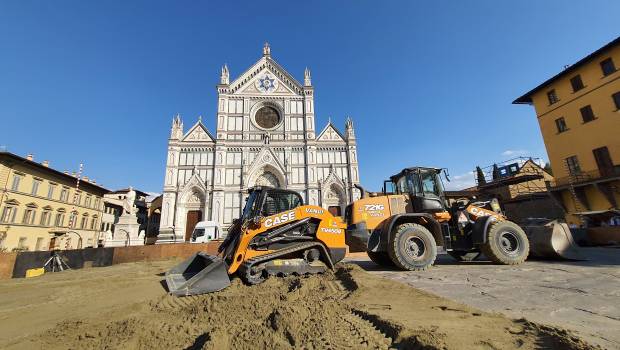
pixel 548 169
pixel 480 176
pixel 496 174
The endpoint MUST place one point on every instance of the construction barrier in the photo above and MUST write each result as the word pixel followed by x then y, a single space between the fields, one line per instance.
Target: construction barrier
pixel 16 265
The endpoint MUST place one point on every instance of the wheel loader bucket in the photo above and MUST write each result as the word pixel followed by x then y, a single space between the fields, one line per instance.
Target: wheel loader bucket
pixel 552 240
pixel 200 274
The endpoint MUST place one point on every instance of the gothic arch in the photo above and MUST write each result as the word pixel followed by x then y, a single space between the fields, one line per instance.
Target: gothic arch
pixel 267 175
pixel 333 193
pixel 334 198
pixel 192 198
pixel 266 162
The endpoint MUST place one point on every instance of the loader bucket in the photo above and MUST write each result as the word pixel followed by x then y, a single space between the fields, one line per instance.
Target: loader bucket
pixel 552 240
pixel 201 273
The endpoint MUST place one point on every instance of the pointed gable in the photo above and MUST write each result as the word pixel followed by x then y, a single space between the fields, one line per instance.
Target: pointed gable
pixel 279 81
pixel 333 178
pixel 330 134
pixel 266 157
pixel 198 133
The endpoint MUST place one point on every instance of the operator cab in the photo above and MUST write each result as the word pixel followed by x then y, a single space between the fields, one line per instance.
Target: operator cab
pixel 266 201
pixel 262 201
pixel 423 185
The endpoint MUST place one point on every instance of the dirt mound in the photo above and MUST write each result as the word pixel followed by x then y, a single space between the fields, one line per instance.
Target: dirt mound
pixel 345 309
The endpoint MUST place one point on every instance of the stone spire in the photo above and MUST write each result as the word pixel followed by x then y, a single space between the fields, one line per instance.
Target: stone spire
pixel 349 131
pixel 307 79
pixel 225 76
pixel 266 50
pixel 176 132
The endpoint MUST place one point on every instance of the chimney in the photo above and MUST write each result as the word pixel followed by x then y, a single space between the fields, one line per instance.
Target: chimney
pixel 66 172
pixel 73 173
pixel 85 178
pixel 30 157
pixel 46 163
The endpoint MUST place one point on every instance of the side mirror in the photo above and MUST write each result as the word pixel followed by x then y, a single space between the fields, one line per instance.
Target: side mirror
pixel 255 222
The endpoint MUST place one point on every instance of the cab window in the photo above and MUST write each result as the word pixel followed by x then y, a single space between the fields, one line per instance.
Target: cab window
pixel 429 183
pixel 402 186
pixel 277 202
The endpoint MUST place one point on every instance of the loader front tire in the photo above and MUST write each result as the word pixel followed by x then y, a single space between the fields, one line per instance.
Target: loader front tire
pixel 506 243
pixel 412 247
pixel 380 258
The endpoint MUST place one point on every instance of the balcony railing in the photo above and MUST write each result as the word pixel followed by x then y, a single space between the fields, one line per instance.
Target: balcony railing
pixel 586 176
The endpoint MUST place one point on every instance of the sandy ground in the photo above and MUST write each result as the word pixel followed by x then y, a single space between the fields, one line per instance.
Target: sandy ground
pixel 125 307
pixel 583 296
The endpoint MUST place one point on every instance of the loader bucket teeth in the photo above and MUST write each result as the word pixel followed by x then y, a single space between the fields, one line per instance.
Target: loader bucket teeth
pixel 552 240
pixel 200 274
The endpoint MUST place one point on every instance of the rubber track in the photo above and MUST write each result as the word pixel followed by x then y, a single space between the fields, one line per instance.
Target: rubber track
pixel 247 265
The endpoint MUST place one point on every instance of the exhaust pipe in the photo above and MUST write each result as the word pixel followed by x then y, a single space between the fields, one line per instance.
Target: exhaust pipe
pixel 362 190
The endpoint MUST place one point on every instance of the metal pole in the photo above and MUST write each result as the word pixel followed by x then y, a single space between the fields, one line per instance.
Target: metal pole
pixel 75 196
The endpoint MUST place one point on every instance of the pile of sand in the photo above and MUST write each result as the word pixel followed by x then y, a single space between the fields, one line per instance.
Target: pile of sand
pixel 348 308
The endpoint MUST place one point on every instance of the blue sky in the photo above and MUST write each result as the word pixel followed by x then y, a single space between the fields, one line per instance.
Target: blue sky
pixel 426 82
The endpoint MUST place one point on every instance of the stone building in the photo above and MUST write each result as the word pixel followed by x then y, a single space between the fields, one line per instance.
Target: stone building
pixel 42 208
pixel 577 111
pixel 265 135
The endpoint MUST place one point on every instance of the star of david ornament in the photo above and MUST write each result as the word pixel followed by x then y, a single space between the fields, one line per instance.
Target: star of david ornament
pixel 267 83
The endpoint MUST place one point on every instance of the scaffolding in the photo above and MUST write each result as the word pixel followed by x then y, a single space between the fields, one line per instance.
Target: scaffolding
pixel 522 175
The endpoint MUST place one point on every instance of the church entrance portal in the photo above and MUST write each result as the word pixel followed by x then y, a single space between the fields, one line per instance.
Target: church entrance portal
pixel 193 217
pixel 334 210
pixel 267 179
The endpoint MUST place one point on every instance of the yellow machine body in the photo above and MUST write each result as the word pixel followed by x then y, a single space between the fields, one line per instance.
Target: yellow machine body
pixel 330 232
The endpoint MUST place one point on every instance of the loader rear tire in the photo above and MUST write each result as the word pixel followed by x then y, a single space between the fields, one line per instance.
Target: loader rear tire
pixel 380 258
pixel 506 243
pixel 460 255
pixel 412 247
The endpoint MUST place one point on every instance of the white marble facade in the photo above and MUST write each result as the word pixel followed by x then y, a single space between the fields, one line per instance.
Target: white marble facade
pixel 265 135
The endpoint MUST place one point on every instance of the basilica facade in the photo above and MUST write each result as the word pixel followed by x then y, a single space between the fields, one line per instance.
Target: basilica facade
pixel 265 136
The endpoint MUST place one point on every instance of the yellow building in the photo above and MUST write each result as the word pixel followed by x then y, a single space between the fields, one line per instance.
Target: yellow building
pixel 578 111
pixel 41 208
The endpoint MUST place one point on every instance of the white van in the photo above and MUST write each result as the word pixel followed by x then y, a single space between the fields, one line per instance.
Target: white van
pixel 206 231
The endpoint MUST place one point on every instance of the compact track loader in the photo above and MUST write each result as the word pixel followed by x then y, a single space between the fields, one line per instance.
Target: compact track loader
pixel 276 235
pixel 404 225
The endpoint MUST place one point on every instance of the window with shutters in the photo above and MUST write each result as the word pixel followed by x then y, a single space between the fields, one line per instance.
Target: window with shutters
pixel 587 114
pixel 59 221
pixel 608 67
pixel 64 194
pixel 8 213
pixel 35 187
pixel 560 123
pixel 552 97
pixel 50 190
pixel 576 83
pixel 45 217
pixel 17 178
pixel 616 98
pixel 29 216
